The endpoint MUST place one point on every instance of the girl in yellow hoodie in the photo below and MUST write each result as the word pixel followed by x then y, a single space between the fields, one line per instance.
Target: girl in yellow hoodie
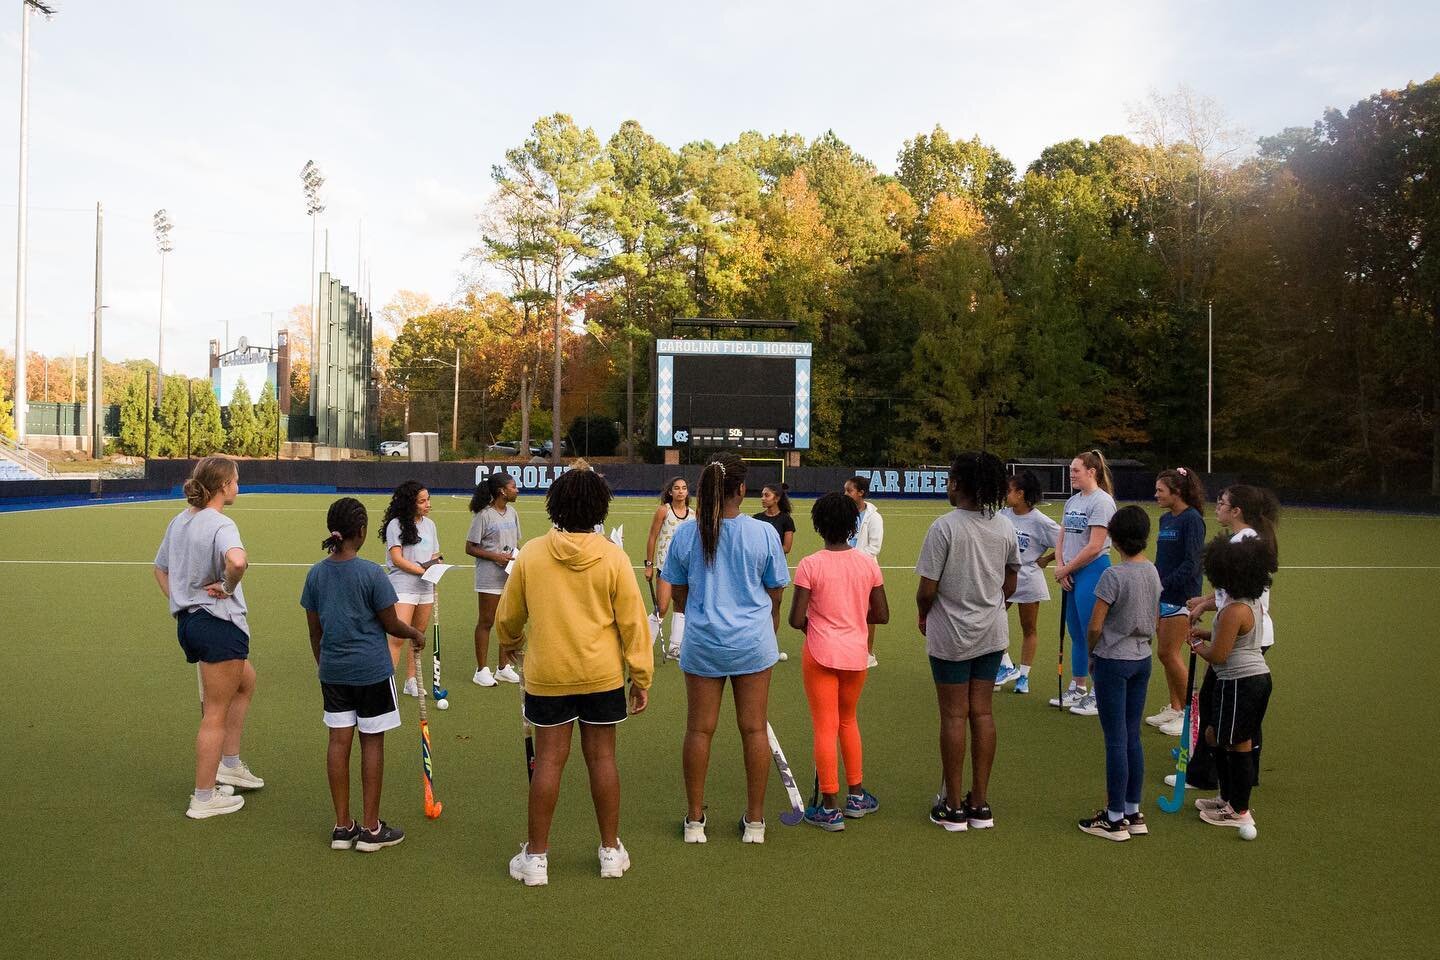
pixel 577 591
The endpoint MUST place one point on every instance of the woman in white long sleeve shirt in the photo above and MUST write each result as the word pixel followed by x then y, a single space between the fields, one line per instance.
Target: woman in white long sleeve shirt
pixel 869 533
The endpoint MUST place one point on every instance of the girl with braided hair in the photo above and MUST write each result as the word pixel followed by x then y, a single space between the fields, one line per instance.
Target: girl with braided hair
pixel 350 607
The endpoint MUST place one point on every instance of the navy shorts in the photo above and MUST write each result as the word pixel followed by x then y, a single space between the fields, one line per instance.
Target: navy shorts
pixel 601 709
pixel 985 667
pixel 208 638
pixel 372 707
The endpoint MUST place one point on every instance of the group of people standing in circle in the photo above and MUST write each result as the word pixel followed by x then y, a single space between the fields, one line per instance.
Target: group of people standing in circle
pixel 569 602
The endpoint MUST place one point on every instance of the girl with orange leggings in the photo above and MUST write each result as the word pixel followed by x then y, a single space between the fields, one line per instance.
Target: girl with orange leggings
pixel 839 592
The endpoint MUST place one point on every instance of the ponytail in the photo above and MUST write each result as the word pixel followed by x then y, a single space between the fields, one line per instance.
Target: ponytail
pixel 488 489
pixel 208 479
pixel 1095 460
pixel 1186 484
pixel 722 477
pixel 1261 510
pixel 782 496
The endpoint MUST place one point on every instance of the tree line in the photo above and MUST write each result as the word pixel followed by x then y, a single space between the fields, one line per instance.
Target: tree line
pixel 963 302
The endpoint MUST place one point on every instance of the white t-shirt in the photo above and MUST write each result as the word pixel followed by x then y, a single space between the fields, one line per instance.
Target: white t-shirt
pixel 408 584
pixel 1034 533
pixel 1267 637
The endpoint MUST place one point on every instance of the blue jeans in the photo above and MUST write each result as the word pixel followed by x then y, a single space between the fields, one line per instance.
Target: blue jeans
pixel 1120 694
pixel 1078 605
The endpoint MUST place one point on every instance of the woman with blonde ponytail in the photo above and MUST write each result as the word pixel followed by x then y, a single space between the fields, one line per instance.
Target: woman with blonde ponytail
pixel 727 572
pixel 199 566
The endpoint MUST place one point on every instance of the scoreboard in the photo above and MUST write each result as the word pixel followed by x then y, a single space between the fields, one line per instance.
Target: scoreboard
pixel 751 394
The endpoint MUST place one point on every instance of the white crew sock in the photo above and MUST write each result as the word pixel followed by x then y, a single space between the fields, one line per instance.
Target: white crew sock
pixel 1024 669
pixel 677 630
pixel 1006 662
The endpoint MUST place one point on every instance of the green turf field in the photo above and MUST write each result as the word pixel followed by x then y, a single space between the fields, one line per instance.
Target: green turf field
pixel 100 714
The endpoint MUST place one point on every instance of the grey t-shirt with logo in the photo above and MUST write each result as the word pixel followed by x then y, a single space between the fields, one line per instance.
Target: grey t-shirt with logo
pixel 193 554
pixel 1083 511
pixel 967 554
pixel 1133 592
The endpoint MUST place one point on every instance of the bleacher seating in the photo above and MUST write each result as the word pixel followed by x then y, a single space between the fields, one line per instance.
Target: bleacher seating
pixel 9 470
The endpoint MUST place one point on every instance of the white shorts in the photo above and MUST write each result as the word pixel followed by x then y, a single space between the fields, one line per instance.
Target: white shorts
pixel 492 591
pixel 415 599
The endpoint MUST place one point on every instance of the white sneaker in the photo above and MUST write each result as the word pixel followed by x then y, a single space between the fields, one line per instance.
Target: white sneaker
pixel 614 861
pixel 672 652
pixel 238 777
pixel 412 689
pixel 218 805
pixel 483 678
pixel 1086 707
pixel 870 661
pixel 1170 782
pixel 1174 727
pixel 751 832
pixel 1210 803
pixel 508 674
pixel 533 870
pixel 694 830
pixel 1070 698
pixel 1164 716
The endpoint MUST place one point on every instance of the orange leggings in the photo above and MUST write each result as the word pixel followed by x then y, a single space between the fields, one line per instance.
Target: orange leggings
pixel 833 696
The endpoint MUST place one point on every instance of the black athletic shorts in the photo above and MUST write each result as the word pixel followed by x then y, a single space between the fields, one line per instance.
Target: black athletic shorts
pixel 600 709
pixel 206 637
pixel 1238 707
pixel 373 707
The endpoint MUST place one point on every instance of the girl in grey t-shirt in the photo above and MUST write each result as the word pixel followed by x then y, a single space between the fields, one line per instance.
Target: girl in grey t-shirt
pixel 493 541
pixel 968 566
pixel 1118 647
pixel 412 544
pixel 198 568
pixel 1084 552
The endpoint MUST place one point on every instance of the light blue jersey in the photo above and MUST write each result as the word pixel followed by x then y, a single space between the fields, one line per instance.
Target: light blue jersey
pixel 728 628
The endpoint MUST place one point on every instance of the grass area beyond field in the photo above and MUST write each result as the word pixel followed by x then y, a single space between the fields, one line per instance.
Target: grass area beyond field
pixel 100 715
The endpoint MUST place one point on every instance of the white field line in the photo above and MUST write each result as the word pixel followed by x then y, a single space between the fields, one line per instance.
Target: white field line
pixel 148 563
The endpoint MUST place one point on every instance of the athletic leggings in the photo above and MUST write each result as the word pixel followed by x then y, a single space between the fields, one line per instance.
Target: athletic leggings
pixel 833 696
pixel 1078 605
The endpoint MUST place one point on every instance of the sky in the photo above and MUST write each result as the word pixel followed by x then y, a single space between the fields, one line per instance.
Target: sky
pixel 210 109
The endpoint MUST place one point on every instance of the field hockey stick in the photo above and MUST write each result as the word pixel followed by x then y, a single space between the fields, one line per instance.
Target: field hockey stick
pixel 436 691
pixel 427 773
pixel 796 813
pixel 657 627
pixel 200 685
pixel 1060 661
pixel 1176 799
pixel 519 660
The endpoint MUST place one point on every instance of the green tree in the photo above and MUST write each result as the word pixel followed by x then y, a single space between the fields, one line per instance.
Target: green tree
pixel 170 419
pixel 207 433
pixel 555 177
pixel 240 438
pixel 267 422
pixel 135 407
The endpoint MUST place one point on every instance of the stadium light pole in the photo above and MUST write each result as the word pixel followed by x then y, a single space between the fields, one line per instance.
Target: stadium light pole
pixel 163 226
pixel 312 180
pixel 22 205
pixel 1209 383
pixel 455 405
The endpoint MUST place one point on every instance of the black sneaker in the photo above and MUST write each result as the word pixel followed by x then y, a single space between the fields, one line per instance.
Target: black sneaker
pixel 1135 822
pixel 1101 825
pixel 944 815
pixel 343 838
pixel 979 818
pixel 385 836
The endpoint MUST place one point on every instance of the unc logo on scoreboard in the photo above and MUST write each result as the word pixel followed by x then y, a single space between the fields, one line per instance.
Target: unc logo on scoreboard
pixel 745 394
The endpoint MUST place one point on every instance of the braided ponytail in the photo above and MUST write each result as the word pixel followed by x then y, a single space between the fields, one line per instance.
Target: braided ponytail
pixel 346 518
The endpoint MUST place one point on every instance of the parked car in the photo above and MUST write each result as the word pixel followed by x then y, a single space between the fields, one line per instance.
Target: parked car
pixel 509 448
pixel 395 448
pixel 545 448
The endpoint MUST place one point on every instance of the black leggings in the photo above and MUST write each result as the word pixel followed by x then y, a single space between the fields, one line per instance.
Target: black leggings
pixel 1201 772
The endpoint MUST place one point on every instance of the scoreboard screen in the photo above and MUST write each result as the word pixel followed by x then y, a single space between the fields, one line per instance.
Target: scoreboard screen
pixel 732 393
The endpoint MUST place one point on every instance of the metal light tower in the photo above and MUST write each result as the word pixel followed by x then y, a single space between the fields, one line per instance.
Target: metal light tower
pixel 163 226
pixel 22 204
pixel 312 180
